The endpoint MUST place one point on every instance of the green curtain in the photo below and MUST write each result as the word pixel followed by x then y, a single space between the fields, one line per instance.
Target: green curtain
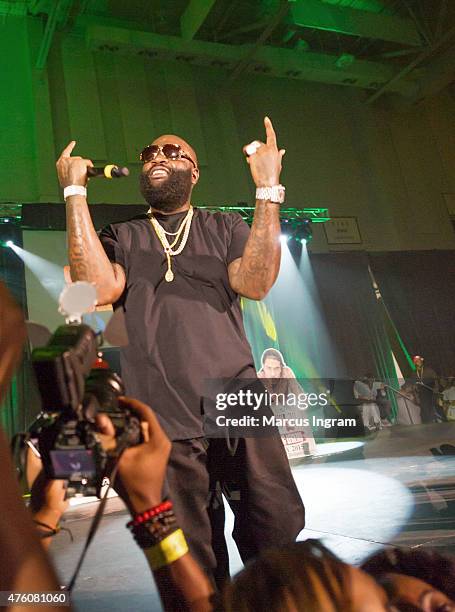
pixel 382 347
pixel 21 403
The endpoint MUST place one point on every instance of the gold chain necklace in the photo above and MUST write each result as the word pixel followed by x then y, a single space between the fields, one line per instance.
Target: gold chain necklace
pixel 169 248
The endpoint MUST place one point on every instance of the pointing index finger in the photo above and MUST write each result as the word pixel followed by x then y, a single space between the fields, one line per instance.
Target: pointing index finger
pixel 271 136
pixel 68 149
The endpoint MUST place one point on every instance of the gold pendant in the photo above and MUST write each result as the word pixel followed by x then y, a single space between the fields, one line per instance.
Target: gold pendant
pixel 169 276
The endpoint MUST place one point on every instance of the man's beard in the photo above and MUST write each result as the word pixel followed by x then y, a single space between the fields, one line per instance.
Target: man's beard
pixel 168 195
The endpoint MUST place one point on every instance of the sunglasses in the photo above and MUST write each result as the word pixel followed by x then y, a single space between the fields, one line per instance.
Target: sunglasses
pixel 170 151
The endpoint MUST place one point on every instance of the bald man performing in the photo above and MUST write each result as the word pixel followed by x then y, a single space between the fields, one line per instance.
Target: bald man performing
pixel 178 273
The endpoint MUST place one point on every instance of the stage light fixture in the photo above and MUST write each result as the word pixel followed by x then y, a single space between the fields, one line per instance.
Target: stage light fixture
pixel 298 231
pixel 306 232
pixel 286 230
pixel 9 243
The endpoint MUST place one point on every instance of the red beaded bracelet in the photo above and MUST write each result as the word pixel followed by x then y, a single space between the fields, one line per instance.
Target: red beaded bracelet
pixel 142 517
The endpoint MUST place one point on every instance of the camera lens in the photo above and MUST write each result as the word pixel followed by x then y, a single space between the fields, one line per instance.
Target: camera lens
pixel 106 386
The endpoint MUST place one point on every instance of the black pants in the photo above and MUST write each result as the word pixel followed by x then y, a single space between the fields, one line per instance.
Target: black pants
pixel 260 489
pixel 385 408
pixel 426 401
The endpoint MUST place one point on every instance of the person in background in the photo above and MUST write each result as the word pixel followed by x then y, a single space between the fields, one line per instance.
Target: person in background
pixel 307 577
pixel 425 381
pixel 366 390
pixel 384 404
pixel 274 367
pixel 448 399
pixel 408 594
pixel 304 577
pixel 279 379
pixel 408 408
pixel 428 565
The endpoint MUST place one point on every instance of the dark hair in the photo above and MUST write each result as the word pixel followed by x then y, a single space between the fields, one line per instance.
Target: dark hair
pixel 300 571
pixel 428 565
pixel 272 353
pixel 417 357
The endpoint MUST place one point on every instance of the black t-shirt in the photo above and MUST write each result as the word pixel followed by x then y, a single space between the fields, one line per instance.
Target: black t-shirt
pixel 187 331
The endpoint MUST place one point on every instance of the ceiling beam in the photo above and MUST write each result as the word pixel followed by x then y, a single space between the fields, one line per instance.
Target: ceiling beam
pixel 244 29
pixel 265 34
pixel 268 60
pixel 57 12
pixel 49 31
pixel 422 57
pixel 18 9
pixel 439 74
pixel 35 7
pixel 194 16
pixel 321 16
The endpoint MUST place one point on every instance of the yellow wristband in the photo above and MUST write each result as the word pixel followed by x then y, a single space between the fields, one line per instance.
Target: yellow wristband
pixel 108 170
pixel 167 551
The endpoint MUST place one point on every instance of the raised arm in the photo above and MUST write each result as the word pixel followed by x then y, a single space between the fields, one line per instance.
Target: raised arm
pixel 254 274
pixel 88 260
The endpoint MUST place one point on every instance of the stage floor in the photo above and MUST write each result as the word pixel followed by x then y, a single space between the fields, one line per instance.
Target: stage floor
pixel 390 490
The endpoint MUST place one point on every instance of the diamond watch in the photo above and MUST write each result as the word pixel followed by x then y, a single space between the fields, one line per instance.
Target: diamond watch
pixel 274 194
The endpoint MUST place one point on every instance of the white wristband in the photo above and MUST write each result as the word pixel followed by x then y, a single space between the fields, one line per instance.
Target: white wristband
pixel 74 190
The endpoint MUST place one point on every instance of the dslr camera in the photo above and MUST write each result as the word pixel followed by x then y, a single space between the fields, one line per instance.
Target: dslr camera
pixel 75 384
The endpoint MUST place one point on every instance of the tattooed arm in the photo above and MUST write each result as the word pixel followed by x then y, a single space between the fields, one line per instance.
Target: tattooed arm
pixel 88 260
pixel 254 274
